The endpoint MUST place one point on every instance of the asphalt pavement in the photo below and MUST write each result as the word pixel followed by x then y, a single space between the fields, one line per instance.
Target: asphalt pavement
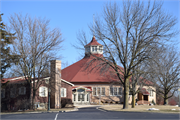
pixel 91 113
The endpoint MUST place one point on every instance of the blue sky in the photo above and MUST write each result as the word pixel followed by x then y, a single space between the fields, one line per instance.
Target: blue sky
pixel 70 16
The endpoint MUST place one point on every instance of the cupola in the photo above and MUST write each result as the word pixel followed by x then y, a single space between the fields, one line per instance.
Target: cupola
pixel 94 47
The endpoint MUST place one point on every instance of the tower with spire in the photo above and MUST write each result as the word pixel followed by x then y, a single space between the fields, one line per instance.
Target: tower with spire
pixel 93 48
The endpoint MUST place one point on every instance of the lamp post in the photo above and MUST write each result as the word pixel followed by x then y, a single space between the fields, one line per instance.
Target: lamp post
pixel 49 96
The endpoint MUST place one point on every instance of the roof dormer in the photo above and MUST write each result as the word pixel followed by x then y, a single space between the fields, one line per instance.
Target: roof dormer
pixel 94 47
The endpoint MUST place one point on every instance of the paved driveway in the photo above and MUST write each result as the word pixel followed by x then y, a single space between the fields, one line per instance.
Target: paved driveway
pixel 91 113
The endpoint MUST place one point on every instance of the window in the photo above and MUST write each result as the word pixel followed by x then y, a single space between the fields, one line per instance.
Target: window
pixel 87 97
pixel 81 90
pixel 94 91
pixel 74 97
pixel 111 91
pixel 120 91
pixel 87 49
pixel 103 91
pixel 80 97
pixel 63 92
pixel 94 48
pixel 12 92
pixel 115 91
pixel 22 90
pixel 98 91
pixel 43 91
pixel 100 48
pixel 3 93
pixel 150 92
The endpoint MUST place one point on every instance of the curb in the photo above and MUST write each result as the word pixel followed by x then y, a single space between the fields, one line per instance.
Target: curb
pixel 75 109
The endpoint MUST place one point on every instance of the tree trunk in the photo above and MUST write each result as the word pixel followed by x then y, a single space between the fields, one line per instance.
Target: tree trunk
pixel 33 100
pixel 30 97
pixel 165 100
pixel 133 100
pixel 126 93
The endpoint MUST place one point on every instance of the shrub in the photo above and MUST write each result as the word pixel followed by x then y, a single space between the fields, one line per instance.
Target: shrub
pixel 153 102
pixel 65 101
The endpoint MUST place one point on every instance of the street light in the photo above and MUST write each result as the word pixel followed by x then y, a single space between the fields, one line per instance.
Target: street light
pixel 49 96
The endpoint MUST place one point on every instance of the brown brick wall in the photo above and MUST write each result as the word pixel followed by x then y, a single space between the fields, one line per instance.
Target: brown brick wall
pixel 68 89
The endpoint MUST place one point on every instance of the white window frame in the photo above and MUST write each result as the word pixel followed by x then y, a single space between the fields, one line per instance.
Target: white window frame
pixel 22 90
pixel 94 48
pixel 74 97
pixel 43 93
pixel 120 93
pixel 102 91
pixel 100 48
pixel 97 94
pixel 113 91
pixel 95 91
pixel 3 93
pixel 151 94
pixel 98 91
pixel 12 92
pixel 64 92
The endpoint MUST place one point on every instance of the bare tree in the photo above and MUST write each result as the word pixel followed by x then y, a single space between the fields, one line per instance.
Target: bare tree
pixel 165 73
pixel 36 44
pixel 136 79
pixel 81 42
pixel 131 36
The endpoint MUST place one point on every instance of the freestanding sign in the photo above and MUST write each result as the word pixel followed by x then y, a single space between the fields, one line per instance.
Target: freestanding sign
pixel 179 96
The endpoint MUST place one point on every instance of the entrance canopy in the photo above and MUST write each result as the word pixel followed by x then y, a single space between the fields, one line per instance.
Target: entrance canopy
pixel 86 88
pixel 144 91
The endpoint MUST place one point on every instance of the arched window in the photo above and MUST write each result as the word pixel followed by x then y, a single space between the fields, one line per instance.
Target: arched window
pixel 81 90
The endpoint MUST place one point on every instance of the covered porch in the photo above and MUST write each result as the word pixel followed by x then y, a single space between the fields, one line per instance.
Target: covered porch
pixel 143 96
pixel 81 95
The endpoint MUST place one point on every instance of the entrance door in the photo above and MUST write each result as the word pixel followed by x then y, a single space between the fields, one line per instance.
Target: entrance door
pixel 81 97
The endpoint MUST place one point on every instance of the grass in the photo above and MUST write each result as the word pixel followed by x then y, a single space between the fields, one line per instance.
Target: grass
pixel 143 108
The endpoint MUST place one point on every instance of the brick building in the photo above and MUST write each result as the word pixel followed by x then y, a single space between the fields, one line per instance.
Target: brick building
pixel 92 85
pixel 15 95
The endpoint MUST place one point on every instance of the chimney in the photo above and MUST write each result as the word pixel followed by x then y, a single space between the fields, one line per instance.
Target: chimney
pixel 55 81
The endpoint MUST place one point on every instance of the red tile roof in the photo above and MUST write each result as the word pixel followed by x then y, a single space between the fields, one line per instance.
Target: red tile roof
pixel 79 72
pixel 93 42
